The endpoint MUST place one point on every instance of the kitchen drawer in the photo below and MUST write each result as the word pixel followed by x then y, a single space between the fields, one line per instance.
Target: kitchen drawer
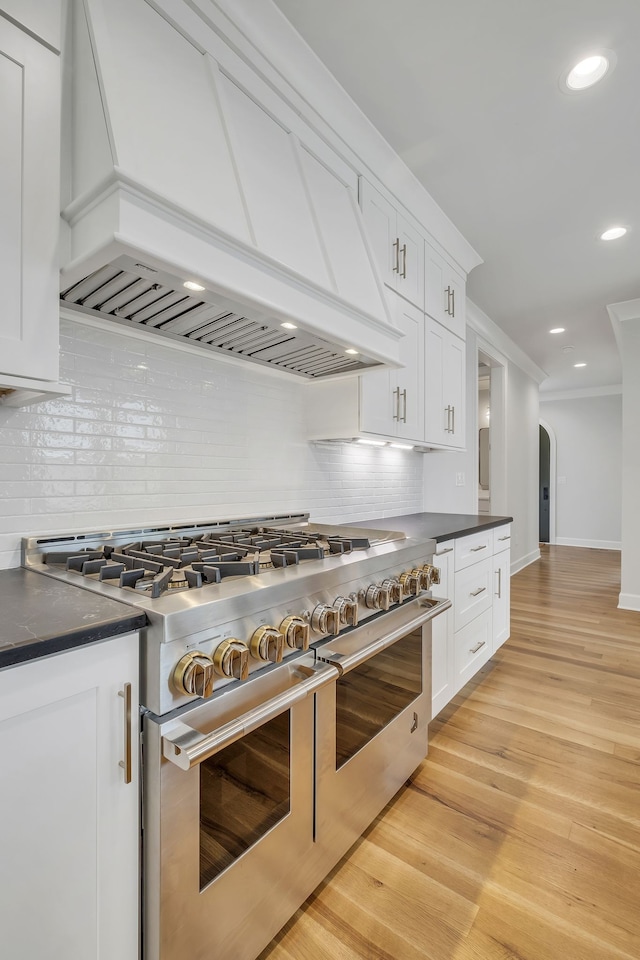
pixel 470 549
pixel 473 647
pixel 502 538
pixel 473 592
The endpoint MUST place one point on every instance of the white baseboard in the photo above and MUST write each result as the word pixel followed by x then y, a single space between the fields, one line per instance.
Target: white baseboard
pixel 629 601
pixel 523 562
pixel 593 544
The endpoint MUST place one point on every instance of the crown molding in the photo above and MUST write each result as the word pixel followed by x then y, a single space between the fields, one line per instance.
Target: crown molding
pixel 614 389
pixel 483 325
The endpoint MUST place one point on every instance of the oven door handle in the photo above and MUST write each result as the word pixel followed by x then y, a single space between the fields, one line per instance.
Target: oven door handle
pixel 186 747
pixel 428 607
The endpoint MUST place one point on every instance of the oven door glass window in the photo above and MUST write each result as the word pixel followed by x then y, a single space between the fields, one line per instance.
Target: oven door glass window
pixel 244 792
pixel 371 695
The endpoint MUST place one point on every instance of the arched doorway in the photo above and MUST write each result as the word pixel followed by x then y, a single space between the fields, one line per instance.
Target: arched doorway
pixel 547 485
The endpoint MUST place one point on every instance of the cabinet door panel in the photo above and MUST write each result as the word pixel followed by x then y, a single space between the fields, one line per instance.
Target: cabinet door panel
pixel 435 415
pixel 69 825
pixel 442 652
pixel 29 205
pixel 454 391
pixel 273 187
pixel 378 403
pixel 473 592
pixel 409 379
pixel 473 647
pixel 380 219
pixel 501 598
pixel 411 263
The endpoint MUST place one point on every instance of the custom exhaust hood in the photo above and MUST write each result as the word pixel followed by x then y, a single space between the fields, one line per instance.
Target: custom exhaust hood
pixel 178 171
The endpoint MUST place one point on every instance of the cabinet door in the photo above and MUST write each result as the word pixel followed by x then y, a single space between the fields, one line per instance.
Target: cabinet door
pixel 380 220
pixel 473 592
pixel 409 379
pixel 473 647
pixel 69 824
pixel 444 292
pixel 444 386
pixel 29 205
pixel 442 652
pixel 454 389
pixel 392 401
pixel 410 274
pixel 501 598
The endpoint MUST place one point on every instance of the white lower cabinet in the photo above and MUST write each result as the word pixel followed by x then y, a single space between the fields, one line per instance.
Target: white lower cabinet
pixel 442 662
pixel 69 823
pixel 475 574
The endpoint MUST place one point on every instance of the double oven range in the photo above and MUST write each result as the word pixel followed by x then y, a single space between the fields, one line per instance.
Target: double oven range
pixel 286 688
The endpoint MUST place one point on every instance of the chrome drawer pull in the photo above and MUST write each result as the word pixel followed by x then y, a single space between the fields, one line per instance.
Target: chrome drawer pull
pixel 127 763
pixel 478 646
pixel 446 550
pixel 475 549
pixel 504 538
pixel 476 593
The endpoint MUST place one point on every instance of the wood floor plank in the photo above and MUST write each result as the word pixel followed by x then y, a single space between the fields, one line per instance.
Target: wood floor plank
pixel 518 838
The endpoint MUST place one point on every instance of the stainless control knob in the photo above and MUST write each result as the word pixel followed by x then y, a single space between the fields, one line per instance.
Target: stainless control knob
pixel 295 631
pixel 377 597
pixel 267 643
pixel 412 582
pixel 326 619
pixel 347 608
pixel 231 659
pixel 432 573
pixel 194 675
pixel 396 591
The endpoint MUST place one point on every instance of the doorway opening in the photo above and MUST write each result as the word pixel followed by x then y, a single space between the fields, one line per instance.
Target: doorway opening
pixel 547 485
pixel 491 431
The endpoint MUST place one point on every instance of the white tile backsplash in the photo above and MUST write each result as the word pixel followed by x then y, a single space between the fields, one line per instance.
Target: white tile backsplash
pixel 153 434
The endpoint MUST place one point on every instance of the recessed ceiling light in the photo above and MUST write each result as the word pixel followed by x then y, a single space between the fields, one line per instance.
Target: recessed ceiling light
pixel 587 72
pixel 192 285
pixel 614 233
pixel 557 330
pixel 288 326
pixel 579 364
pixel 352 351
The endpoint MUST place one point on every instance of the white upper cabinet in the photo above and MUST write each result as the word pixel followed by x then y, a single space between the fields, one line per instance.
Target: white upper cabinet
pixel 392 401
pixel 29 207
pixel 444 292
pixel 444 373
pixel 397 246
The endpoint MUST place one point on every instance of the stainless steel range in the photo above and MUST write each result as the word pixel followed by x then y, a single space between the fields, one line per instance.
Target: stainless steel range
pixel 286 688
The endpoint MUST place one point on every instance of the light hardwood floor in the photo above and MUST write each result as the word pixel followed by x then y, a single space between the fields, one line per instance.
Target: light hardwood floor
pixel 519 836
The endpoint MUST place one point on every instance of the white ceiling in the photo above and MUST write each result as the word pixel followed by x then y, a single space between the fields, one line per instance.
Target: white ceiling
pixel 467 92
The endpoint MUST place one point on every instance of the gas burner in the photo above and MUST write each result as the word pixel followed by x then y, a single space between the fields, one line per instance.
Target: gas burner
pixel 157 565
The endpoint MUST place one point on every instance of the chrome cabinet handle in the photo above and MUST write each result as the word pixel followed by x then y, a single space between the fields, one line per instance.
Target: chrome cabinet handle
pixel 453 303
pixel 396 404
pixel 478 646
pixel 127 763
pixel 186 747
pixel 476 593
pixel 396 247
pixel 439 553
pixel 404 405
pixel 504 538
pixel 447 429
pixel 483 546
pixel 453 419
pixel 404 261
pixel 499 593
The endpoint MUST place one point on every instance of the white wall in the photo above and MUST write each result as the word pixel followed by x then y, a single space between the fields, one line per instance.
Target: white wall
pixel 154 434
pixel 522 465
pixel 588 432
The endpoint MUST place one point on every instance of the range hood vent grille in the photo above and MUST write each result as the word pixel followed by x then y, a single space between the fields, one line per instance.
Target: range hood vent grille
pixel 119 292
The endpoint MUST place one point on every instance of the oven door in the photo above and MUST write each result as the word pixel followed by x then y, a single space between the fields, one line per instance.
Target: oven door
pixel 377 714
pixel 228 816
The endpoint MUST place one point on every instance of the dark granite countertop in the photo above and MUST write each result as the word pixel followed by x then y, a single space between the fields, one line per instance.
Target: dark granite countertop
pixel 41 616
pixel 435 526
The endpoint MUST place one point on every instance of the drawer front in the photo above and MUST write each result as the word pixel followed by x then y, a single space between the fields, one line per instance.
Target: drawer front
pixel 502 538
pixel 473 592
pixel 470 549
pixel 473 647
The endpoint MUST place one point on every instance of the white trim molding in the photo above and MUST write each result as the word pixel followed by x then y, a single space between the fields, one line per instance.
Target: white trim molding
pixel 591 544
pixel 553 470
pixel 525 561
pixel 629 601
pixel 614 389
